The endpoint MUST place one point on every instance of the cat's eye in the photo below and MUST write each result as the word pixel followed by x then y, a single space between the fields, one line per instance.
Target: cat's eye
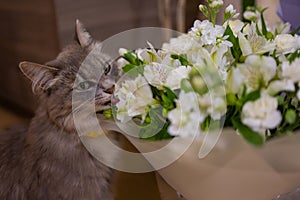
pixel 107 68
pixel 85 85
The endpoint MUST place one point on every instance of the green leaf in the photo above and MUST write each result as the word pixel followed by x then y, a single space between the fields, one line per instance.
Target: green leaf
pixel 205 124
pixel 166 102
pixel 182 58
pixel 294 32
pixel 290 116
pixel 258 31
pixel 133 70
pixel 132 58
pixel 235 49
pixel 280 100
pixel 231 99
pixel 128 67
pixel 170 94
pixel 247 133
pixel 158 125
pixel 156 92
pixel 263 23
pixel 252 96
pixel 293 56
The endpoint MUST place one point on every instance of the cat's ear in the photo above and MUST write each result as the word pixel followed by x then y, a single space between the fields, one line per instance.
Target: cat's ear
pixel 81 35
pixel 41 76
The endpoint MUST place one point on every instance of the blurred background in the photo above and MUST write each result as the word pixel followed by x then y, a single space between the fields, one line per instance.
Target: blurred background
pixel 36 31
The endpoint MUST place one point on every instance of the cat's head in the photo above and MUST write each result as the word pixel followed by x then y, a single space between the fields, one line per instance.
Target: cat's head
pixel 80 69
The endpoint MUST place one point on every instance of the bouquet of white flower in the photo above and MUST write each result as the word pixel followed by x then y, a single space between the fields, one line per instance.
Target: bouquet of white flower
pixel 240 74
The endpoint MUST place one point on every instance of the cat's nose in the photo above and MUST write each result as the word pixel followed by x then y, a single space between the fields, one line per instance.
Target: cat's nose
pixel 110 90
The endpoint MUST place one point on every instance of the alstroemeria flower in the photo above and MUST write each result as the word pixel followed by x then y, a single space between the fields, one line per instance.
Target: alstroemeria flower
pixel 134 97
pixel 281 28
pixel 291 71
pixel 234 81
pixel 262 114
pixel 156 74
pixel 181 44
pixel 213 105
pixel 159 75
pixel 186 117
pixel 236 26
pixel 257 71
pixel 254 44
pixel 175 76
pixel 281 85
pixel 286 43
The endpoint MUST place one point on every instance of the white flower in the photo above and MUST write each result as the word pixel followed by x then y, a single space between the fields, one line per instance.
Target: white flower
pixel 236 26
pixel 156 74
pixel 208 34
pixel 230 12
pixel 257 70
pixel 291 71
pixel 262 114
pixel 202 30
pixel 198 57
pixel 160 75
pixel 286 43
pixel 174 78
pixel 281 28
pixel 122 51
pixel 254 44
pixel 186 117
pixel 121 62
pixel 134 97
pixel 220 59
pixel 181 45
pixel 281 85
pixel 298 94
pixel 234 82
pixel 167 60
pixel 150 55
pixel 213 105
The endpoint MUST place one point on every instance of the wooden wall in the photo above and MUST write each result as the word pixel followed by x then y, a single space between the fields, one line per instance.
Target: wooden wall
pixel 36 30
pixel 28 32
pixel 104 18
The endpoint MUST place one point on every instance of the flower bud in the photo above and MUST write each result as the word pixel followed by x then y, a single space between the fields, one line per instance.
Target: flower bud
pixel 216 4
pixel 251 16
pixel 230 12
pixel 204 10
pixel 290 116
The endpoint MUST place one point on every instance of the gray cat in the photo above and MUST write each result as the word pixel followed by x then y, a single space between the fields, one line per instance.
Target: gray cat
pixel 47 160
